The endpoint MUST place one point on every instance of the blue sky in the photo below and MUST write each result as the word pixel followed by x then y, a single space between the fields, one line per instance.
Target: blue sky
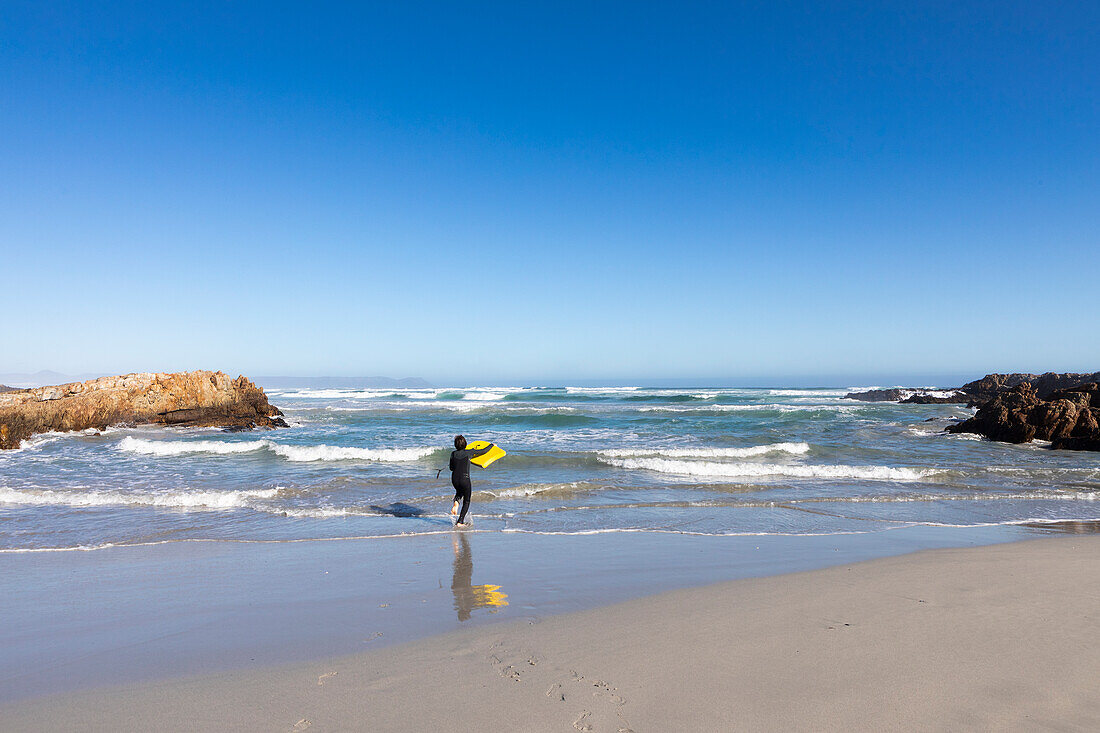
pixel 760 192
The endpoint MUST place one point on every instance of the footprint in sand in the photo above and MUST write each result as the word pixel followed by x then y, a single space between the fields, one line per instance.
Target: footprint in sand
pixel 325 676
pixel 523 666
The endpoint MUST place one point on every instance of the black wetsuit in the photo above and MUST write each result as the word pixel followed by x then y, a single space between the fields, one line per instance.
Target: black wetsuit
pixel 460 475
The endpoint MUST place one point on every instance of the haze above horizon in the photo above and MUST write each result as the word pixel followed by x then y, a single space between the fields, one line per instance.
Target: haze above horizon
pixel 694 193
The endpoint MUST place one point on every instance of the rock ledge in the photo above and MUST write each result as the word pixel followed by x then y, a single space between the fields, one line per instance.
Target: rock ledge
pixel 1068 418
pixel 189 399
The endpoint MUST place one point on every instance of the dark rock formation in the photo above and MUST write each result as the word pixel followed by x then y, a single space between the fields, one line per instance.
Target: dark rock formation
pixel 906 395
pixel 193 399
pixel 954 398
pixel 879 395
pixel 1068 418
pixel 982 390
pixel 6 388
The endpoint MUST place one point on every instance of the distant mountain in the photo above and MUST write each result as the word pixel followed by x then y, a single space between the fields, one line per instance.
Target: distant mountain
pixel 343 383
pixel 39 379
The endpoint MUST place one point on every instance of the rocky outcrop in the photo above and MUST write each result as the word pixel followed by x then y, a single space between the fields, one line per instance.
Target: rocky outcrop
pixel 924 398
pixel 978 392
pixel 895 394
pixel 1068 418
pixel 6 388
pixel 908 395
pixel 190 399
pixel 983 390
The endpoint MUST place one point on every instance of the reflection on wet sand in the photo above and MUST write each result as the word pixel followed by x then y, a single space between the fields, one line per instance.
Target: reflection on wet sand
pixel 1066 527
pixel 469 596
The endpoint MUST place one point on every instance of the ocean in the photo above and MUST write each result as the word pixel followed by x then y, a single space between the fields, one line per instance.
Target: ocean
pixel 581 460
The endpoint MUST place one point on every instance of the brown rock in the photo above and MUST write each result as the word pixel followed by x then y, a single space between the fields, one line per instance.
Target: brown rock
pixel 984 389
pixel 1069 418
pixel 195 399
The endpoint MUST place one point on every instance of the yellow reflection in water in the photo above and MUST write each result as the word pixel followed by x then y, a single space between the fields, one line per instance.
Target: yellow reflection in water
pixel 468 596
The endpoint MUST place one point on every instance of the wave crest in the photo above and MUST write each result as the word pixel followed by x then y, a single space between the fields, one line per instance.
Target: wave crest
pixel 169 499
pixel 714 468
pixel 322 452
pixel 755 450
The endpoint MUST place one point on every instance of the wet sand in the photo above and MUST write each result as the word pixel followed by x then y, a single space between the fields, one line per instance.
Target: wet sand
pixel 998 637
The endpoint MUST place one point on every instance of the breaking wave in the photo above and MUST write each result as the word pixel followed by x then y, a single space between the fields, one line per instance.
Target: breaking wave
pixel 130 444
pixel 484 396
pixel 755 450
pixel 759 407
pixel 714 468
pixel 172 499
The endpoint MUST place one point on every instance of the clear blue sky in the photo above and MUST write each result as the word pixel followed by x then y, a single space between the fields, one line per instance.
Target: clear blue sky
pixel 747 191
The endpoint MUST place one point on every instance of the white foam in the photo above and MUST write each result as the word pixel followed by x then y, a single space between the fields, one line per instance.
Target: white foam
pixel 1062 495
pixel 648 530
pixel 755 450
pixel 459 406
pixel 324 394
pixel 37 441
pixel 600 390
pixel 807 392
pixel 420 395
pixel 484 396
pixel 324 512
pixel 452 405
pixel 763 407
pixel 296 453
pixel 713 468
pixel 172 499
pixel 130 444
pixel 539 409
pixel 521 492
pixel 341 453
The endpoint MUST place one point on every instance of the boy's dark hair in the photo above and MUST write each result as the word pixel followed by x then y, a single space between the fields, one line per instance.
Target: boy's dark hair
pixel 460 442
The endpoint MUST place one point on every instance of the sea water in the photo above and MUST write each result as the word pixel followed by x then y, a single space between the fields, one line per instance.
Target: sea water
pixel 581 460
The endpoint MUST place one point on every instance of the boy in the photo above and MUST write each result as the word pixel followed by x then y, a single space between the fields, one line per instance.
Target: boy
pixel 460 475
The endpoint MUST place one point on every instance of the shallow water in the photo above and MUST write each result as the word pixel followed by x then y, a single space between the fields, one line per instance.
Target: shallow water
pixel 362 463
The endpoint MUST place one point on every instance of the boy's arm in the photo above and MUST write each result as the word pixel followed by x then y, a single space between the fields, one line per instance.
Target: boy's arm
pixel 481 451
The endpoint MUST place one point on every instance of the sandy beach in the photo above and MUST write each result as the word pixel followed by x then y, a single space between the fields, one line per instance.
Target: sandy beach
pixel 996 637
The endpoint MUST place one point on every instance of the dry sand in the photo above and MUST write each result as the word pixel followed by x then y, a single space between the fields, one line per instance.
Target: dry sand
pixel 999 637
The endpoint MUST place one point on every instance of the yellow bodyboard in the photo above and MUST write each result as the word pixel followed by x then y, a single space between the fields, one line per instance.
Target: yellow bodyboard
pixel 487 458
